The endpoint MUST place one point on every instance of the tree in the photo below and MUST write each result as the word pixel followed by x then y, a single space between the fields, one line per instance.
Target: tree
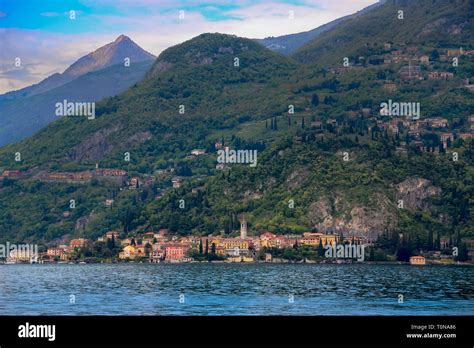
pixel 213 248
pixel 463 253
pixel 111 242
pixel 429 242
pixel 403 252
pixel 207 247
pixel 320 248
pixel 315 100
pixel 372 254
pixel 200 246
pixel 302 123
pixel 434 55
pixel 132 242
pixel 438 242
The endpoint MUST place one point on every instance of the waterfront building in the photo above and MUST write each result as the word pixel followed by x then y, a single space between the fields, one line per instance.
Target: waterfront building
pixel 313 239
pixel 417 260
pixel 266 239
pixel 158 252
pixel 128 253
pixel 176 252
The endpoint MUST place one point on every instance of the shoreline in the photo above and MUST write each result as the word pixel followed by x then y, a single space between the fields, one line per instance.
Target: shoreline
pixel 368 263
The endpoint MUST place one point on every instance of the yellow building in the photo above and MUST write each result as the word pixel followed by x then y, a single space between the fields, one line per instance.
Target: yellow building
pixel 129 252
pixel 232 243
pixel 313 239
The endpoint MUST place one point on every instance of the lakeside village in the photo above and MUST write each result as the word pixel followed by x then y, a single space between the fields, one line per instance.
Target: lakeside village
pixel 435 135
pixel 311 247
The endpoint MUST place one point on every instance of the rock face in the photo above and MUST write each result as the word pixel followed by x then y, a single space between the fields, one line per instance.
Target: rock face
pixel 160 67
pixel 97 145
pixel 339 213
pixel 297 178
pixel 83 221
pixel 93 147
pixel 336 214
pixel 414 192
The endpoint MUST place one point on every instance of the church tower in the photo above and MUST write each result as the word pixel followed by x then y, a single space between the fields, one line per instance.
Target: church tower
pixel 243 228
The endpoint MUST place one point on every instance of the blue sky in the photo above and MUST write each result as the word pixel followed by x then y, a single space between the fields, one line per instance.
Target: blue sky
pixel 47 40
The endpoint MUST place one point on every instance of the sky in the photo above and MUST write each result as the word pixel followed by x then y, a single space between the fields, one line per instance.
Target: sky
pixel 46 36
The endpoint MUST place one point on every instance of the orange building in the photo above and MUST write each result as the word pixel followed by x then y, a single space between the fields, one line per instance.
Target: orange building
pixel 176 252
pixel 417 260
pixel 79 243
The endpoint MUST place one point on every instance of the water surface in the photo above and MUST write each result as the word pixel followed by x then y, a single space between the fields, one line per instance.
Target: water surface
pixel 235 289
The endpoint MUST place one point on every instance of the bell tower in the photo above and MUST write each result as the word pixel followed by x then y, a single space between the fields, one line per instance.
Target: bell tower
pixel 243 228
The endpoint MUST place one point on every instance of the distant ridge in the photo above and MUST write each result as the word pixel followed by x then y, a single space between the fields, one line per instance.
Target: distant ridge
pixel 94 76
pixel 287 44
pixel 435 23
pixel 105 56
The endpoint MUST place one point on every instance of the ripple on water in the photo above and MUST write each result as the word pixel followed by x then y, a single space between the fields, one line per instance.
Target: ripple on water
pixel 235 289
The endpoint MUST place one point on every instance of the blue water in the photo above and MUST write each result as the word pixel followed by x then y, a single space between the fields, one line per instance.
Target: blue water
pixel 235 289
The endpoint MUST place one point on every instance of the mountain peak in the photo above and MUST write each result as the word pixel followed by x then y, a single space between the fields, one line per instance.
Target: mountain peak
pixel 110 54
pixel 122 38
pixel 113 53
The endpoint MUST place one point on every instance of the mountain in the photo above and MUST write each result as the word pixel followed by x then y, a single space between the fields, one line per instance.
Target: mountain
pixel 24 116
pixel 432 23
pixel 288 44
pixel 105 56
pixel 97 75
pixel 176 78
pixel 334 165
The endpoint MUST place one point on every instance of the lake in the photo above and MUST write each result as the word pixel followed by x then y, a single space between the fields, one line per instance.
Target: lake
pixel 235 289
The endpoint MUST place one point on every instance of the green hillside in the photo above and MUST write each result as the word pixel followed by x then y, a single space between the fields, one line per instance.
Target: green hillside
pixel 431 23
